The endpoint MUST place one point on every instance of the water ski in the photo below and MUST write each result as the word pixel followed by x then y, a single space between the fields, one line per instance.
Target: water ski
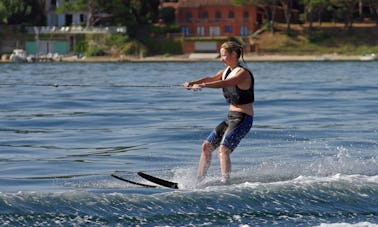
pixel 159 181
pixel 133 182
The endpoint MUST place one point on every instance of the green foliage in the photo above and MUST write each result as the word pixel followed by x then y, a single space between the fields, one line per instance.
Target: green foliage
pixel 68 6
pixel 81 45
pixel 12 7
pixel 117 40
pixel 170 28
pixel 164 45
pixel 324 39
pixel 135 14
pixel 95 51
pixel 95 44
pixel 317 36
pixel 100 45
pixel 3 13
pixel 134 48
pixel 173 28
pixel 167 14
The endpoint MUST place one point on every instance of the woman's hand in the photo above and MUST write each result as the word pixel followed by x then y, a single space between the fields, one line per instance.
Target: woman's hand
pixel 194 87
pixel 186 85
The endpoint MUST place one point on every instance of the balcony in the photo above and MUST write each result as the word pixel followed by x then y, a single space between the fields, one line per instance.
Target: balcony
pixel 213 20
pixel 74 30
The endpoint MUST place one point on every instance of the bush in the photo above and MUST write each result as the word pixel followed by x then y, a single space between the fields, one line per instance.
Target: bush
pixel 117 40
pixel 164 46
pixel 81 47
pixel 318 36
pixel 134 48
pixel 94 51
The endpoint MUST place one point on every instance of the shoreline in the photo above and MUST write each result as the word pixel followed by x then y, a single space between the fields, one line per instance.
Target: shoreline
pixel 205 57
pixel 212 57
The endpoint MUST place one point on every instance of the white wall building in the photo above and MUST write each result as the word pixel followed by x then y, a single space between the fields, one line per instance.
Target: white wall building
pixel 64 19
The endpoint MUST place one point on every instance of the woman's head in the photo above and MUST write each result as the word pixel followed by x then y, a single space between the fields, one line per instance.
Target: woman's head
pixel 233 47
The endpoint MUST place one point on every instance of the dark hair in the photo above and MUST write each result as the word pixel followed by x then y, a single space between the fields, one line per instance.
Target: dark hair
pixel 231 46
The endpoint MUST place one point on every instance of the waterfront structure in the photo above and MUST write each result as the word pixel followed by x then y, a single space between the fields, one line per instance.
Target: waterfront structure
pixel 207 21
pixel 65 27
pixel 215 18
pixel 64 19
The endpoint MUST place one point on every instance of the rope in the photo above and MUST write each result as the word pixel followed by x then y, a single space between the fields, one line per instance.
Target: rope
pixel 87 85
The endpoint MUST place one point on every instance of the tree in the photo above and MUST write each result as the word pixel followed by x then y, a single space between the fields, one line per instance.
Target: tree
pixel 312 7
pixel 3 13
pixel 287 6
pixel 138 16
pixel 269 7
pixel 373 7
pixel 345 8
pixel 93 7
pixel 167 15
pixel 9 8
pixel 135 14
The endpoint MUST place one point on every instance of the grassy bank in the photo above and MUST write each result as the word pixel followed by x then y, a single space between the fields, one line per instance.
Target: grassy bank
pixel 323 39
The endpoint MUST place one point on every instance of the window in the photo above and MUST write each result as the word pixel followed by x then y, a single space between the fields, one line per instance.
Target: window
pixel 68 20
pixel 188 17
pixel 214 31
pixel 243 30
pixel 185 31
pixel 205 15
pixel 83 18
pixel 231 14
pixel 53 5
pixel 200 30
pixel 228 29
pixel 218 16
pixel 246 15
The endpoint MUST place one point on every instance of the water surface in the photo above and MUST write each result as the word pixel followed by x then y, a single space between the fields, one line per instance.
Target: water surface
pixel 310 159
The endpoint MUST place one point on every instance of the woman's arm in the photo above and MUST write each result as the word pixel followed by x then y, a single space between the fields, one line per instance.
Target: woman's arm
pixel 241 78
pixel 209 79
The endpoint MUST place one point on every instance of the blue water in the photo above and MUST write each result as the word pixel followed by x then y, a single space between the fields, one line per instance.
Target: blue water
pixel 311 158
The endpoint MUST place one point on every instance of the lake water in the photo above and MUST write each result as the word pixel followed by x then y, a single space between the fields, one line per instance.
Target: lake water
pixel 311 158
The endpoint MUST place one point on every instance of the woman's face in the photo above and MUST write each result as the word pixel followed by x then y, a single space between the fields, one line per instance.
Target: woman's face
pixel 226 57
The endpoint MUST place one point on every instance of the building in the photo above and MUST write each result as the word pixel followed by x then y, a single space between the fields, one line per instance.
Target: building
pixel 215 18
pixel 59 36
pixel 64 19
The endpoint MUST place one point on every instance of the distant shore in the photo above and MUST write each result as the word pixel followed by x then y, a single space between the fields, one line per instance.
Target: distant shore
pixel 189 58
pixel 247 58
pixel 213 57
